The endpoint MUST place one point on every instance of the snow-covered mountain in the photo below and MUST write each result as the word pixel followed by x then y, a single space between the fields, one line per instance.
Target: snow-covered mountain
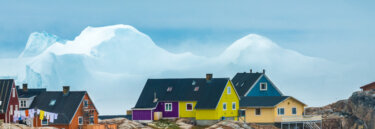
pixel 113 62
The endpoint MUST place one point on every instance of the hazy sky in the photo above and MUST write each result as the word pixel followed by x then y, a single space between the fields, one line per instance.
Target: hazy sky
pixel 336 30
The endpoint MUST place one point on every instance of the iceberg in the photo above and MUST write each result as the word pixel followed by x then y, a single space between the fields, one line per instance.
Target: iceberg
pixel 113 62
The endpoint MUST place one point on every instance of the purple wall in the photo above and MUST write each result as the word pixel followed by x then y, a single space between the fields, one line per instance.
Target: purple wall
pixel 142 115
pixel 160 108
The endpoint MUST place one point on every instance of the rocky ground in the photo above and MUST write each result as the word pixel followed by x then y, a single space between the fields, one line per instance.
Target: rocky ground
pixel 354 113
pixel 123 123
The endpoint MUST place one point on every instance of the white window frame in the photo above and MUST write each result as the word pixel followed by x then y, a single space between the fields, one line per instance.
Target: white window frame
pixel 80 117
pixel 224 106
pixel 229 90
pixel 41 121
pixel 235 106
pixel 260 86
pixel 279 111
pixel 166 105
pixel 296 111
pixel 11 110
pixel 93 120
pixel 84 103
pixel 191 107
pixel 13 92
pixel 260 111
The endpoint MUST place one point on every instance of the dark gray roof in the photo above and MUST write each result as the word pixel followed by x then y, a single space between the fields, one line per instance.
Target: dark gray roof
pixel 207 96
pixel 30 92
pixel 65 106
pixel 5 92
pixel 261 101
pixel 244 81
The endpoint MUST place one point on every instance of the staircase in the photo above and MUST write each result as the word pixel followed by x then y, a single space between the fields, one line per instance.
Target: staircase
pixel 311 125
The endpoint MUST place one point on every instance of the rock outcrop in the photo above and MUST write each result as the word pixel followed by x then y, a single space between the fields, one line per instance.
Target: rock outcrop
pixel 123 123
pixel 354 113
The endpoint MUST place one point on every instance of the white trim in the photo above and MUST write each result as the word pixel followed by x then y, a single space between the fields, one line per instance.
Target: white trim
pixel 235 105
pixel 280 111
pixel 274 86
pixel 260 111
pixel 296 111
pixel 78 120
pixel 165 107
pixel 229 81
pixel 192 106
pixel 77 108
pixel 11 110
pixel 13 92
pixel 252 86
pixel 226 106
pixel 260 86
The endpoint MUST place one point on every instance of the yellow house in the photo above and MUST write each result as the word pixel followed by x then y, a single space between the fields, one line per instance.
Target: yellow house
pixel 207 100
pixel 214 105
pixel 271 109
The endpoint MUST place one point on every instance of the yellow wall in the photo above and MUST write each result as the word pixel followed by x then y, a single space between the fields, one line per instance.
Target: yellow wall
pixel 219 112
pixel 288 105
pixel 182 109
pixel 268 115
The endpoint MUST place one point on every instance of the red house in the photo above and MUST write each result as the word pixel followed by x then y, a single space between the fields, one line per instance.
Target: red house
pixel 8 100
pixel 368 87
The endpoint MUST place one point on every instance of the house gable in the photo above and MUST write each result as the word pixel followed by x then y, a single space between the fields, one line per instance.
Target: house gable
pixel 227 98
pixel 271 89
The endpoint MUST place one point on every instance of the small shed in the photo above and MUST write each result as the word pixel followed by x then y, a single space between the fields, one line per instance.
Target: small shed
pixel 368 87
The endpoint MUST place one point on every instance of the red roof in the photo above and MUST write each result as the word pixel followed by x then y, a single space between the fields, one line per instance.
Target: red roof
pixel 371 84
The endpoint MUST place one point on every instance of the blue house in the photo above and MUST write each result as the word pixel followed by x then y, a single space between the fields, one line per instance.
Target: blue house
pixel 254 84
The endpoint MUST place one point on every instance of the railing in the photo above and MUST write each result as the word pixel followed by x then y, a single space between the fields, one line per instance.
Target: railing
pixel 299 118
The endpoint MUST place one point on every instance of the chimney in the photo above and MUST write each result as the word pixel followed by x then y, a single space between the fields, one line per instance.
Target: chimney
pixel 66 90
pixel 24 87
pixel 208 76
pixel 251 70
pixel 264 71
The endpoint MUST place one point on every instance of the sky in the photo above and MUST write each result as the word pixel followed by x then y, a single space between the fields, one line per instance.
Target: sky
pixel 336 31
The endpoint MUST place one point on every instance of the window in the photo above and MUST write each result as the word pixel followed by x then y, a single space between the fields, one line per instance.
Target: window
pixel 11 110
pixel 52 102
pixel 91 119
pixel 196 88
pixel 257 112
pixel 22 103
pixel 80 120
pixel 169 89
pixel 189 107
pixel 294 111
pixel 13 92
pixel 224 106
pixel 234 106
pixel 228 90
pixel 44 121
pixel 280 111
pixel 263 86
pixel 168 106
pixel 86 103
